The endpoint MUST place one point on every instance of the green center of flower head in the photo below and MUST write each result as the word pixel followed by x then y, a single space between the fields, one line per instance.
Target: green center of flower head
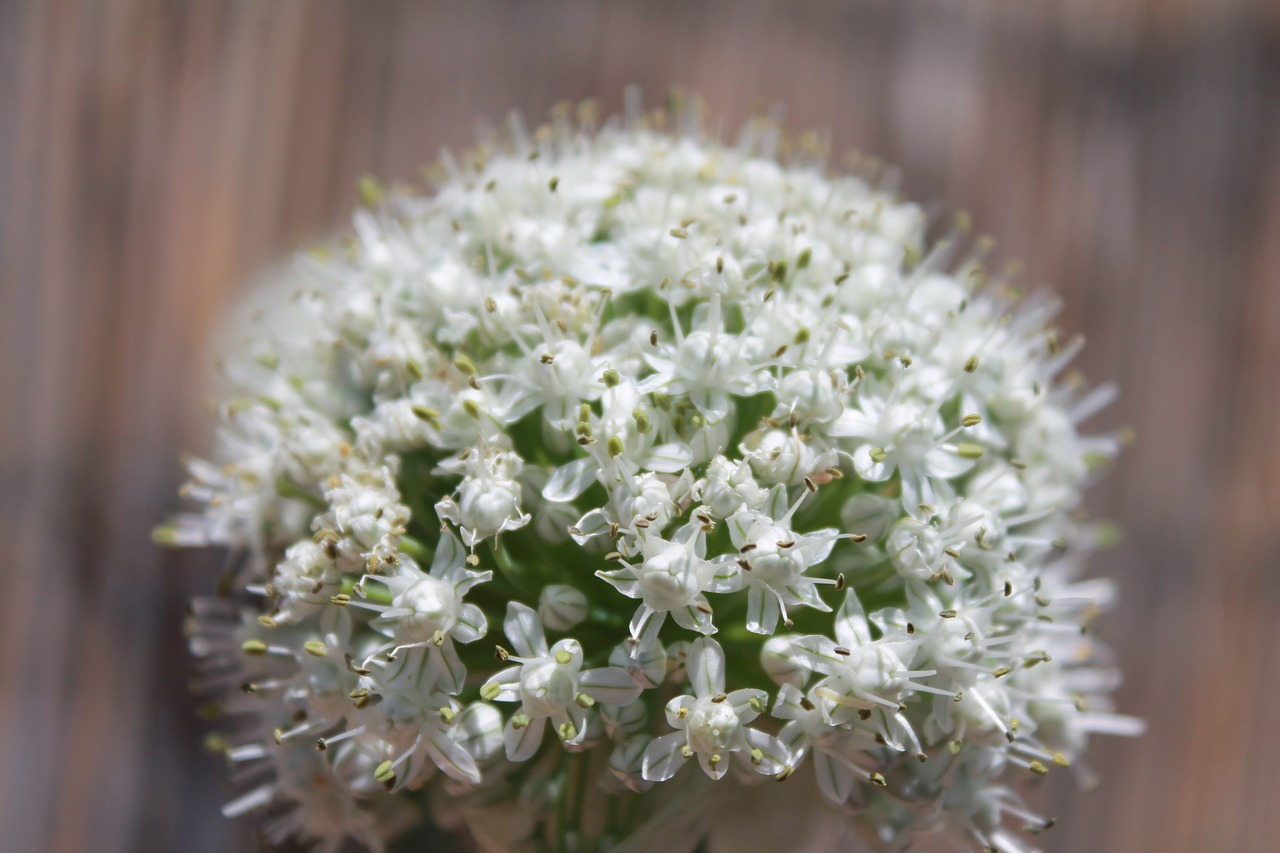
pixel 722 461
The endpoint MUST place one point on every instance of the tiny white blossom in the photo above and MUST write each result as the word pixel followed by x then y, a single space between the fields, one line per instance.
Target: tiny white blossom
pixel 670 578
pixel 427 615
pixel 550 685
pixel 712 725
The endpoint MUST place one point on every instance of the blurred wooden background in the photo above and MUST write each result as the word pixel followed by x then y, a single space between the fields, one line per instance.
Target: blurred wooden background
pixel 153 154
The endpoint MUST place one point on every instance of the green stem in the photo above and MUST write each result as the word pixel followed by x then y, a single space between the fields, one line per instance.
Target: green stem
pixel 562 804
pixel 288 489
pixel 415 548
pixel 580 789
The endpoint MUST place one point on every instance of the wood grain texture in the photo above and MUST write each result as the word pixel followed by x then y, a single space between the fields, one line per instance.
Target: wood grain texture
pixel 153 154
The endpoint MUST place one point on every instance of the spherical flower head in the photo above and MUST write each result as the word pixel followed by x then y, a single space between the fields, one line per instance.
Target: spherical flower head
pixel 751 475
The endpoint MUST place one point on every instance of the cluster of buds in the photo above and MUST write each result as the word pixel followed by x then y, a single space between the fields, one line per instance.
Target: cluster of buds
pixel 754 481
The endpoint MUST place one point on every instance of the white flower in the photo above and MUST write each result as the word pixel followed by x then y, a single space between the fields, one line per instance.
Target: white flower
pixel 708 365
pixel 550 684
pixel 489 497
pixel 907 438
pixel 836 752
pixel 861 674
pixel 671 578
pixel 713 725
pixel 729 487
pixel 427 614
pixel 774 559
pixel 729 386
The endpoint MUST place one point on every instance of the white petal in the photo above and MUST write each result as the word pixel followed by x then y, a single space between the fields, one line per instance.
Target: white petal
pixel 508 683
pixel 818 544
pixel 706 667
pixel 740 524
pixel 694 618
pixel 835 780
pixel 755 610
pixel 621 722
pixel 851 622
pixel 570 480
pixel 741 702
pixel 572 648
pixel 674 708
pixel 946 465
pixel 592 524
pixel 522 743
pixel 807 592
pixel 646 662
pixel 448 555
pixel 478 729
pixel 794 737
pixel 471 624
pixel 668 458
pixel 663 757
pixel 788 704
pixel 725 576
pixel 852 423
pixel 524 630
pixel 610 686
pixel 817 652
pixel 444 669
pixel 775 755
pixel 717 770
pixel 626 762
pixel 867 468
pixel 455 761
pixel 782 663
pixel 778 501
pixel 623 580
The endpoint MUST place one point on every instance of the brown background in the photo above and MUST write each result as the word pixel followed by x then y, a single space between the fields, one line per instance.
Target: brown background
pixel 153 154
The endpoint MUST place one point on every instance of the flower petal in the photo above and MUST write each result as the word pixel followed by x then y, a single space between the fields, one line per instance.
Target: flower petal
pixel 449 554
pixel 706 667
pixel 663 757
pixel 852 629
pixel 570 480
pixel 524 629
pixel 455 761
pixel 835 779
pixel 471 624
pixel 773 755
pixel 478 730
pixel 609 686
pixel 668 458
pixel 522 743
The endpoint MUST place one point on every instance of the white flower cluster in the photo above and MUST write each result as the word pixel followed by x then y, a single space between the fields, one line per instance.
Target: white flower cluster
pixel 786 484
